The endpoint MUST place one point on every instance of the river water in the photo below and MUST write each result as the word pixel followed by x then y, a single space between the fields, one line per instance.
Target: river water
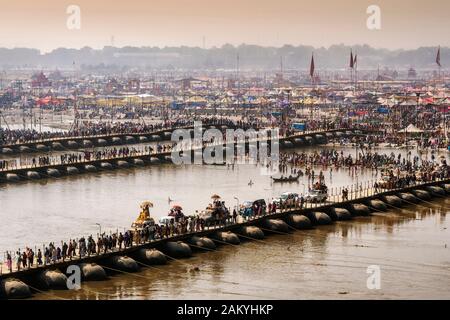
pixel 411 246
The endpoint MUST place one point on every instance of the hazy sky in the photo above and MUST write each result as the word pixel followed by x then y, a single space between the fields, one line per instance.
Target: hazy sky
pixel 404 23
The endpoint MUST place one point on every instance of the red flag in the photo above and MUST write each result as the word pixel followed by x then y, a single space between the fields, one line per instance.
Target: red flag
pixel 311 67
pixel 351 60
pixel 438 57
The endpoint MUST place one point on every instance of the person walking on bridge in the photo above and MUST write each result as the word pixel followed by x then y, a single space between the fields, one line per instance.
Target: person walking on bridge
pixel 70 249
pixel 64 251
pixel 376 187
pixel 24 259
pixel 39 257
pixel 46 256
pixel 30 256
pixel 19 259
pixel 54 255
pixel 120 240
pixel 74 248
pixel 8 261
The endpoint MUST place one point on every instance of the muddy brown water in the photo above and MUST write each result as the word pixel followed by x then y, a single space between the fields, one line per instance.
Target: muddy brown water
pixel 411 245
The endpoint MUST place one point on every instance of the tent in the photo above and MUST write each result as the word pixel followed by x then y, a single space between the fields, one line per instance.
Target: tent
pixel 411 129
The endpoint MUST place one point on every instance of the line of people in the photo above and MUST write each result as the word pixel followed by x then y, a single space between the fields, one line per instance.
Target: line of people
pixel 16 136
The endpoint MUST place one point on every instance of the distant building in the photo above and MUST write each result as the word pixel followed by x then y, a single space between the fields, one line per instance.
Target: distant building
pixel 383 77
pixel 189 83
pixel 134 85
pixel 112 86
pixel 412 74
pixel 231 84
pixel 56 76
pixel 39 80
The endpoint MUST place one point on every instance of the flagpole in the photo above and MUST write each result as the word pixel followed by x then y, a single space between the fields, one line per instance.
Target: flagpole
pixel 440 66
pixel 356 71
pixel 438 62
pixel 351 75
pixel 351 66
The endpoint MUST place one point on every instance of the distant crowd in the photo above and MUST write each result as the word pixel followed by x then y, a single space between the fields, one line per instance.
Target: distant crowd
pixel 9 136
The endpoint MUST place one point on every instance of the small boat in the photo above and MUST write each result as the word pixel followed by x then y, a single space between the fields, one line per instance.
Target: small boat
pixel 286 179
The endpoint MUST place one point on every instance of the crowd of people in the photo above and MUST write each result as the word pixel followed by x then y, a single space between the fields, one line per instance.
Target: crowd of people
pixel 83 247
pixel 9 136
pixel 366 159
pixel 178 224
pixel 6 164
pixel 14 136
pixel 396 170
pixel 84 156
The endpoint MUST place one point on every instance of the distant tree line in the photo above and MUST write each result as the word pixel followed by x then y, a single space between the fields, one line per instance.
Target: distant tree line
pixel 250 56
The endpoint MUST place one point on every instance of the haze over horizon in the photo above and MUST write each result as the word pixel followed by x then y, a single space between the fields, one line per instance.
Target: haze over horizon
pixel 99 48
pixel 201 23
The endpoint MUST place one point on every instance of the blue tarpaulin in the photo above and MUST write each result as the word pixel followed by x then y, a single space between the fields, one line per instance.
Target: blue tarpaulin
pixel 299 126
pixel 383 110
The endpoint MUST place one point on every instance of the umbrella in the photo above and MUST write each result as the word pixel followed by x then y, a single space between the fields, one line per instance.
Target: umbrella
pixel 215 196
pixel 147 203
